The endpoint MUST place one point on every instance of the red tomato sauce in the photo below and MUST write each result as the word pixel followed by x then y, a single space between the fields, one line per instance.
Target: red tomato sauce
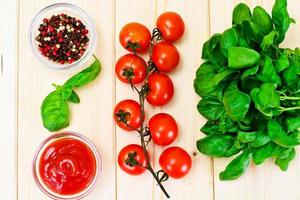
pixel 67 166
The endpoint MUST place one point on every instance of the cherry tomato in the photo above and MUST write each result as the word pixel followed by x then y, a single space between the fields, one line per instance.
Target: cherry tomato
pixel 171 26
pixel 128 111
pixel 132 66
pixel 134 152
pixel 175 161
pixel 163 129
pixel 165 56
pixel 161 89
pixel 137 35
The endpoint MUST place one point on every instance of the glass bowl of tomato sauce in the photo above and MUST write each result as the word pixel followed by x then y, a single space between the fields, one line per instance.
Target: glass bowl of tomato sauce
pixel 66 166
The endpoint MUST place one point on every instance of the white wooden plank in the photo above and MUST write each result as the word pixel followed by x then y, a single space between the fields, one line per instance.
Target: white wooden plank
pixel 131 187
pixel 198 184
pixel 89 117
pixel 8 98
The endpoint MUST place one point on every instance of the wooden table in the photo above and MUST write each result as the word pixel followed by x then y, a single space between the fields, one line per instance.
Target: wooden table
pixel 24 82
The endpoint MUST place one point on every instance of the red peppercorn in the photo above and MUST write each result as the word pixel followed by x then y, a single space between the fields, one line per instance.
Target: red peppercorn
pixel 71 60
pixel 85 31
pixel 50 29
pixel 45 20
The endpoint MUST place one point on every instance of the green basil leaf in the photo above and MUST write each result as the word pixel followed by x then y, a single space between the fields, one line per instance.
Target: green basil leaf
pixel 281 18
pixel 241 57
pixel 249 72
pixel 249 83
pixel 236 167
pixel 236 103
pixel 221 76
pixel 293 123
pixel 74 98
pixel 269 40
pixel 206 68
pixel 246 137
pixel 268 73
pixel 215 145
pixel 238 144
pixel 260 154
pixel 252 31
pixel 210 128
pixel 262 20
pixel 241 13
pixel 291 77
pixel 203 85
pixel 66 93
pixel 282 63
pixel 232 151
pixel 207 79
pixel 211 51
pixel 262 137
pixel 243 126
pixel 211 108
pixel 85 76
pixel 227 125
pixel 244 43
pixel 55 111
pixel 279 136
pixel 229 39
pixel 285 157
pixel 266 99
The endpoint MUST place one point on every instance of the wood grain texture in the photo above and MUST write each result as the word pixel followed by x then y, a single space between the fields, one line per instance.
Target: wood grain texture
pixel 8 99
pixel 25 82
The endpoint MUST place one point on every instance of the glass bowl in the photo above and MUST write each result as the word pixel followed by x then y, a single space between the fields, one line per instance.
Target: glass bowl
pixel 71 10
pixel 36 172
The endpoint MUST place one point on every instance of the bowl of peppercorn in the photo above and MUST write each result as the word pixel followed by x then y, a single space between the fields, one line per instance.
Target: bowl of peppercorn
pixel 62 36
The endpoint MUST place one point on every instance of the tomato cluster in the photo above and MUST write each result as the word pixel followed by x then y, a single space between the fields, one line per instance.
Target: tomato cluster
pixel 157 90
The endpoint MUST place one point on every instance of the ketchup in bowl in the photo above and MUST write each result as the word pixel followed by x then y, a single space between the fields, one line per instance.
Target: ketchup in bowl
pixel 66 166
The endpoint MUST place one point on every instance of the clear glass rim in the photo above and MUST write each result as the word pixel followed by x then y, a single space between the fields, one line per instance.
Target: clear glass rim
pixel 49 140
pixel 91 44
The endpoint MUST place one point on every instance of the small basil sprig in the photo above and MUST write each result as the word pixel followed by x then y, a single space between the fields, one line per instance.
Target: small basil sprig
pixel 55 110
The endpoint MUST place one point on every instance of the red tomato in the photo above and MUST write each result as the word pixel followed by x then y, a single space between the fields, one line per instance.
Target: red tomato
pixel 171 26
pixel 165 56
pixel 136 151
pixel 175 161
pixel 161 89
pixel 163 129
pixel 130 111
pixel 135 34
pixel 132 65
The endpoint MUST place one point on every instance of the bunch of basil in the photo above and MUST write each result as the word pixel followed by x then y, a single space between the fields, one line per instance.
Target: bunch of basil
pixel 55 110
pixel 250 89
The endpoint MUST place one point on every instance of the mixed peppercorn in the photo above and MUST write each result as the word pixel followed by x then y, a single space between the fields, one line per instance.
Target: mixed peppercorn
pixel 62 38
